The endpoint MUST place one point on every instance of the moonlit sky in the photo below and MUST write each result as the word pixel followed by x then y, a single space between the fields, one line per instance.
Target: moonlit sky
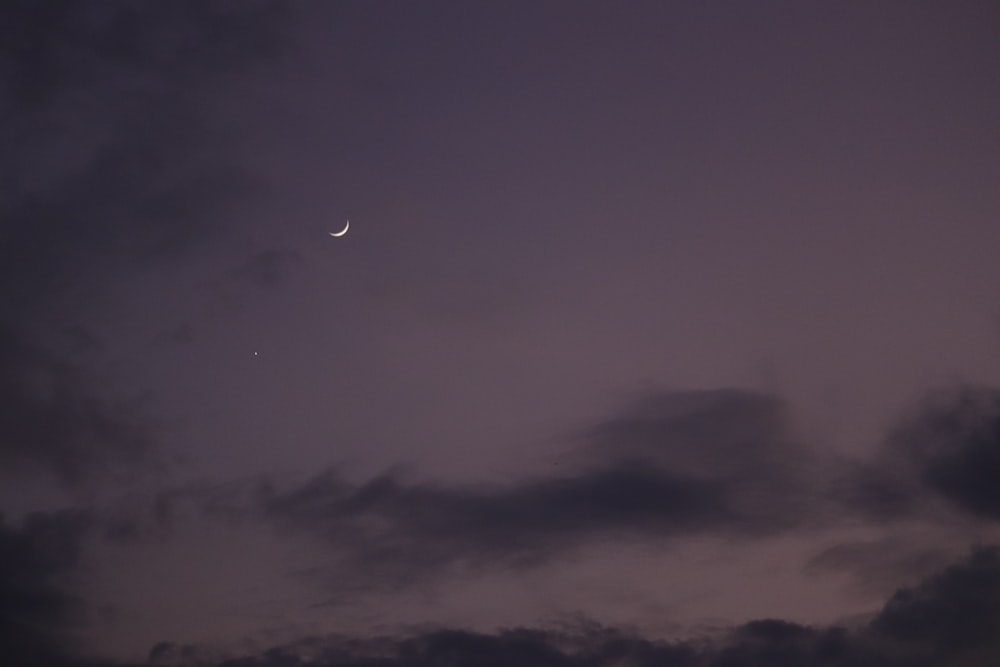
pixel 664 333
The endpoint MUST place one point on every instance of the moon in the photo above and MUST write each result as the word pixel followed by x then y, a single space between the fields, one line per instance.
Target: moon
pixel 342 231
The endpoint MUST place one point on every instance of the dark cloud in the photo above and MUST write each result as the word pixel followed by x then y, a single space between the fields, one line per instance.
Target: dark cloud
pixel 950 613
pixel 675 464
pixel 670 465
pixel 110 157
pixel 880 491
pixel 63 43
pixel 721 431
pixel 953 445
pixel 37 615
pixel 53 421
pixel 777 642
pixel 593 646
pixel 407 526
pixel 739 438
pixel 111 162
pixel 171 653
pixel 941 461
pixel 945 448
pixel 952 618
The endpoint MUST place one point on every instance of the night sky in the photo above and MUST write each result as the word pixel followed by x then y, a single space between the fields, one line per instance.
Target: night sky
pixel 664 334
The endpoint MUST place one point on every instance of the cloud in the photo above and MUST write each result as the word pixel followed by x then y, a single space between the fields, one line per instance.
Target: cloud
pixel 882 565
pixel 668 465
pixel 36 615
pixel 54 422
pixel 111 164
pixel 674 464
pixel 394 525
pixel 951 612
pixel 951 618
pixel 880 491
pixel 939 463
pixel 953 446
pixel 110 158
pixel 778 642
pixel 586 645
pixel 741 439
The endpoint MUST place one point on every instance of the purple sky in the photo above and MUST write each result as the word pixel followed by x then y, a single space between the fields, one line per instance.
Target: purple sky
pixel 665 333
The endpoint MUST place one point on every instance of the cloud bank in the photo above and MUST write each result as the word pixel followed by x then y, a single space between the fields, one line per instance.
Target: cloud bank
pixel 111 165
pixel 952 617
pixel 672 464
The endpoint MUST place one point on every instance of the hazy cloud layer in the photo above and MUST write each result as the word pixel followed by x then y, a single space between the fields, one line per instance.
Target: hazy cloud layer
pixel 952 617
pixel 109 157
pixel 884 564
pixel 671 464
pixel 679 464
pixel 53 421
pixel 36 614
pixel 110 164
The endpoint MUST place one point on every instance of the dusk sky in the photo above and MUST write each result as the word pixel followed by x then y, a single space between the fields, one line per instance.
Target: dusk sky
pixel 663 334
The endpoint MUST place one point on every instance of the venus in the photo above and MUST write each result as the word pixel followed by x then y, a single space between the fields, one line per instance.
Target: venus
pixel 342 231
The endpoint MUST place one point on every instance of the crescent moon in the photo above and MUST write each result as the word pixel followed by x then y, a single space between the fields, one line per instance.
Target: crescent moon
pixel 342 231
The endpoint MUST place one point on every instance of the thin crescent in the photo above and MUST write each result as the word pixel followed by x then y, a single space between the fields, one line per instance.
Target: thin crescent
pixel 342 231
